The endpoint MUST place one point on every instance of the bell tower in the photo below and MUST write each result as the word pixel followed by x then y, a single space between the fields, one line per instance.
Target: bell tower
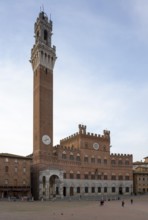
pixel 43 56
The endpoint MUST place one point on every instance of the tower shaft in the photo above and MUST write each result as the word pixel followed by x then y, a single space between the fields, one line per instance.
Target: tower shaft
pixel 43 57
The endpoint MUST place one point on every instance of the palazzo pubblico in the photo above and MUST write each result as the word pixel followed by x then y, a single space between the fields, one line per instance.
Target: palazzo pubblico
pixel 81 165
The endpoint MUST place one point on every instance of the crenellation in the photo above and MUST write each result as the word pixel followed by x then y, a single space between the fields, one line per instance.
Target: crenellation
pixel 120 155
pixel 70 137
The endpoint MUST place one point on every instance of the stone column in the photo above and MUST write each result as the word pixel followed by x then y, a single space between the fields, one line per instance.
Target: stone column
pixel 74 191
pixel 68 191
pixel 40 190
pixel 47 190
pixel 82 189
pixel 89 190
pixel 61 189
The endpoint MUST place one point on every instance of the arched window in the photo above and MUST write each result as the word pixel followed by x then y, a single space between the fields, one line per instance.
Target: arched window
pixel 127 162
pixel 92 159
pixel 120 162
pixel 86 159
pixel 92 176
pixel 78 189
pixel 64 155
pixel 113 162
pixel 99 160
pixel 78 157
pixel 113 189
pixel 71 175
pixel 120 177
pixel 99 189
pixel 105 161
pixel 78 175
pixel 86 176
pixel 105 189
pixel 99 176
pixel 113 177
pixel 71 156
pixel 127 176
pixel 105 176
pixel 93 189
pixel 6 169
pixel 86 189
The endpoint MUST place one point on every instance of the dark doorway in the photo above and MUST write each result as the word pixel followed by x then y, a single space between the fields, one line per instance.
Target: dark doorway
pixel 120 190
pixel 64 191
pixel 71 191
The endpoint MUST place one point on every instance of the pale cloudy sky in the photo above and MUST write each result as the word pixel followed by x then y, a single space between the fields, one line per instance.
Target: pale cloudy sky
pixel 100 76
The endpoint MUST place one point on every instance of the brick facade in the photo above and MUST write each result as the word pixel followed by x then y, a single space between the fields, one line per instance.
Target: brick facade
pixel 15 175
pixel 140 177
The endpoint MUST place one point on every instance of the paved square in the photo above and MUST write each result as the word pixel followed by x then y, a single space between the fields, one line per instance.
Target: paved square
pixel 75 210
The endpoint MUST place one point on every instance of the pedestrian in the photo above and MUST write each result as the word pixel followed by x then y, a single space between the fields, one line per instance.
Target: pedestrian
pixel 102 202
pixel 131 201
pixel 122 203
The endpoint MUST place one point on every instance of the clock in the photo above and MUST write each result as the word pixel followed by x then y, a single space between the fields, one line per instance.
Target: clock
pixel 96 146
pixel 46 139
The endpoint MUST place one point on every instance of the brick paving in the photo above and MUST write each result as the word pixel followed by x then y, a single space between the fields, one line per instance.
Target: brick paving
pixel 75 210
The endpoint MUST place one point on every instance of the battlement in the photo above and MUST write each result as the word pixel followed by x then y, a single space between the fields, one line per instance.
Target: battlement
pixel 56 146
pixel 82 130
pixel 106 133
pixel 121 155
pixel 70 137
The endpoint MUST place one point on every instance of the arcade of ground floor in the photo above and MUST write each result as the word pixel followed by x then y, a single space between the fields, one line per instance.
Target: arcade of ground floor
pixel 52 184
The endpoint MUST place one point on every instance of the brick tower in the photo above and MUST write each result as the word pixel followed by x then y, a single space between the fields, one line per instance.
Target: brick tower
pixel 43 57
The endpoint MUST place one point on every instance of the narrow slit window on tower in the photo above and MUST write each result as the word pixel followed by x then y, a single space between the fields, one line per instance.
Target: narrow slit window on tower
pixel 37 36
pixel 45 35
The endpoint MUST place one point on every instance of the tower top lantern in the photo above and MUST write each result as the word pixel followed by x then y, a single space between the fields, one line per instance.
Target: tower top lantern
pixel 43 53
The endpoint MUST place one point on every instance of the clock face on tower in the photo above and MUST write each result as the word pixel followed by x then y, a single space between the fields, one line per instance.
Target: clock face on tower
pixel 96 146
pixel 46 139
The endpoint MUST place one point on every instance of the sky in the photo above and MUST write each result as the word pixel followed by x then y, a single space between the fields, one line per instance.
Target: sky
pixel 100 75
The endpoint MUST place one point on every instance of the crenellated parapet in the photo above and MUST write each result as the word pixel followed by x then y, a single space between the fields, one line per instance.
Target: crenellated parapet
pixel 121 155
pixel 70 137
pixel 82 131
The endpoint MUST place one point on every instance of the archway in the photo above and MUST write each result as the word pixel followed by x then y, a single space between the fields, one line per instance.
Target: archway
pixel 120 190
pixel 44 185
pixel 71 191
pixel 54 184
pixel 64 191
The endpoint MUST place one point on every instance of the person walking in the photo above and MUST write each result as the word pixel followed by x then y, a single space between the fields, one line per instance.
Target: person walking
pixel 123 203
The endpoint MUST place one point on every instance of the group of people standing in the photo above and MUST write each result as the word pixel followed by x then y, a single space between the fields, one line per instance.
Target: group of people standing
pixel 123 203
